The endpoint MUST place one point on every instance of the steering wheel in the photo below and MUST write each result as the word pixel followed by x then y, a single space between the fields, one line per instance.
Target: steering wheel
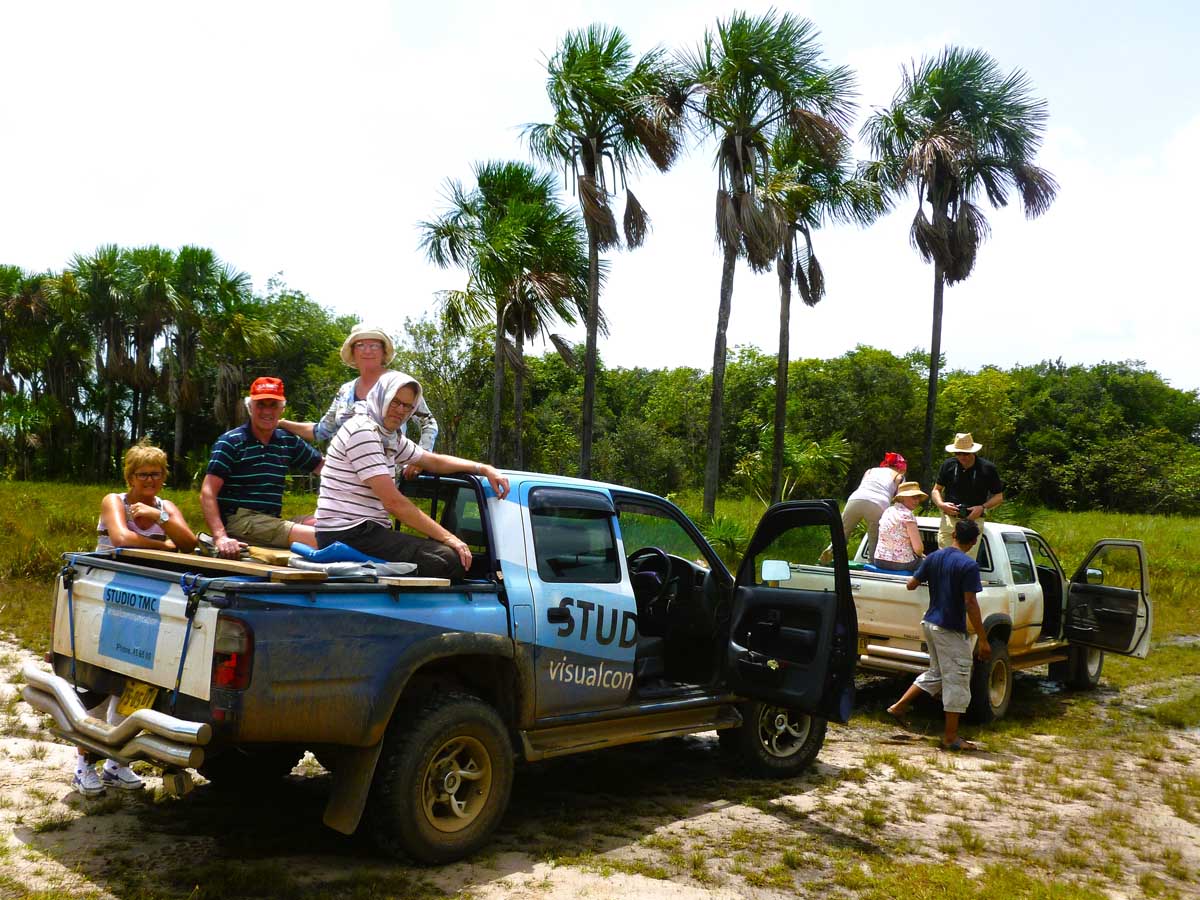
pixel 652 560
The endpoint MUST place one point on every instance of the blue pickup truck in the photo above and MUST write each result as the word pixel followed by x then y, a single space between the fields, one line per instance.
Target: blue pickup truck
pixel 593 616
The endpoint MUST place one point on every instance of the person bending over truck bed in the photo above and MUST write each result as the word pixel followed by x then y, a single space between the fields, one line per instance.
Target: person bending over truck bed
pixel 953 579
pixel 358 486
pixel 139 518
pixel 242 493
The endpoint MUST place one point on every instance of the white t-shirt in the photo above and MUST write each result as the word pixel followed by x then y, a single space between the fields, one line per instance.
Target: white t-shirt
pixel 878 486
pixel 358 452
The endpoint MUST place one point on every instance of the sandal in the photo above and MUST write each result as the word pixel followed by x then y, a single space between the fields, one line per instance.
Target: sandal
pixel 959 745
pixel 899 718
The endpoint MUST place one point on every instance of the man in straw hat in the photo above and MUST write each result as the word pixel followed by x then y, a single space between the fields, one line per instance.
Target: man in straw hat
pixel 966 487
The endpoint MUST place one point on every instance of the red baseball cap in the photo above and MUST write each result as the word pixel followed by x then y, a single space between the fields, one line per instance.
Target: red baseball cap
pixel 267 388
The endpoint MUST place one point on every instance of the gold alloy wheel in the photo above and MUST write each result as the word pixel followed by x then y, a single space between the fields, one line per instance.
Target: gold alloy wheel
pixel 782 732
pixel 998 683
pixel 458 782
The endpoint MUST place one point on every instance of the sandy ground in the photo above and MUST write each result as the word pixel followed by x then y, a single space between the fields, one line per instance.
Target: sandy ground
pixel 657 820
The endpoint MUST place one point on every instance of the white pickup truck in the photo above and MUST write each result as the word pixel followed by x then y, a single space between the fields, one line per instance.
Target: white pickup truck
pixel 1032 613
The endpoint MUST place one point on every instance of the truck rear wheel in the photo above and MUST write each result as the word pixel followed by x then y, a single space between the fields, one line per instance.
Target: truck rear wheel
pixel 443 780
pixel 1081 669
pixel 773 741
pixel 991 685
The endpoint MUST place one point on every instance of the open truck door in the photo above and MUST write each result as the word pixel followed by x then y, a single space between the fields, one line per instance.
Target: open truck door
pixel 1108 600
pixel 793 628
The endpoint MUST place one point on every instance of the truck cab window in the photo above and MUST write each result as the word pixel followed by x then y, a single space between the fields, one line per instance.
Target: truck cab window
pixel 1019 559
pixel 575 545
pixel 649 526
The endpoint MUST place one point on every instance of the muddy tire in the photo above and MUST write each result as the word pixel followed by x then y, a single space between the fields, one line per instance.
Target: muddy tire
pixel 991 685
pixel 240 768
pixel 443 780
pixel 773 741
pixel 1081 669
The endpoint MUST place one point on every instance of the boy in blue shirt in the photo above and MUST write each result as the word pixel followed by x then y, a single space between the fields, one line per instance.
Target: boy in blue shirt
pixel 953 579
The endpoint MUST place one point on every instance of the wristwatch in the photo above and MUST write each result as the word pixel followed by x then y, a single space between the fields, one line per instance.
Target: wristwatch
pixel 163 516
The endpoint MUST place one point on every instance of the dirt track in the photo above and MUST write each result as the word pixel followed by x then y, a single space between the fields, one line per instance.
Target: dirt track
pixel 880 813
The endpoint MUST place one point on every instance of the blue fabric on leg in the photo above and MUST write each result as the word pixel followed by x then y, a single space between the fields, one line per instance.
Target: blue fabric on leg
pixel 335 552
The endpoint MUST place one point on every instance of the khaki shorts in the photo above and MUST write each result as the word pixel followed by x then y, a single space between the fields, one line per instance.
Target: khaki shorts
pixel 949 672
pixel 946 534
pixel 260 529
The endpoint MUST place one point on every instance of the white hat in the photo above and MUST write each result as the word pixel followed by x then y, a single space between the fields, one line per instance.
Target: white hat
pixel 964 443
pixel 362 332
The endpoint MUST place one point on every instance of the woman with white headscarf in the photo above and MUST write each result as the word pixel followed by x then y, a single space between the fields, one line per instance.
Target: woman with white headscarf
pixel 358 484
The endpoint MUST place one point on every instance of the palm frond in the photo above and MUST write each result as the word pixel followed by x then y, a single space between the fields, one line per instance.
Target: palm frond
pixel 593 199
pixel 566 351
pixel 637 223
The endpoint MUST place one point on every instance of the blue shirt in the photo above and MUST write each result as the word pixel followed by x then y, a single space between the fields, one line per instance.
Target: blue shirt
pixel 950 573
pixel 254 473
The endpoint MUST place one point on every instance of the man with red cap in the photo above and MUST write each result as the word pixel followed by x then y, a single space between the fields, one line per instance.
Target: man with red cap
pixel 242 493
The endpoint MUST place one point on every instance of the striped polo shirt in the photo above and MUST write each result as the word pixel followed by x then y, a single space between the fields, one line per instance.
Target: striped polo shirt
pixel 253 472
pixel 356 453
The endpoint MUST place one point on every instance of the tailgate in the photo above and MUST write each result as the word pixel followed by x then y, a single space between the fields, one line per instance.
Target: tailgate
pixel 136 625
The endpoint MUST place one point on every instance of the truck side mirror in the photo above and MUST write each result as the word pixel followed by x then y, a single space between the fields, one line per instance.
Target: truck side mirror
pixel 1095 576
pixel 775 570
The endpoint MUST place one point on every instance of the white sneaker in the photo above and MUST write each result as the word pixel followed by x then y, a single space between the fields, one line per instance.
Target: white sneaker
pixel 122 777
pixel 87 782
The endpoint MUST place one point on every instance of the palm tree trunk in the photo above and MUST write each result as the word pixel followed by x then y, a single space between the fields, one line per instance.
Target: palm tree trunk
pixel 935 353
pixel 497 387
pixel 589 359
pixel 519 404
pixel 785 267
pixel 712 466
pixel 107 444
pixel 183 362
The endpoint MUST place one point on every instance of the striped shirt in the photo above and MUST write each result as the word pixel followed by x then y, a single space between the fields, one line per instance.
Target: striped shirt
pixel 358 452
pixel 254 473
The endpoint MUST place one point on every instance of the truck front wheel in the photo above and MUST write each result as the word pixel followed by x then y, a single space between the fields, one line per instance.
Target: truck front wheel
pixel 991 685
pixel 443 780
pixel 1081 669
pixel 774 741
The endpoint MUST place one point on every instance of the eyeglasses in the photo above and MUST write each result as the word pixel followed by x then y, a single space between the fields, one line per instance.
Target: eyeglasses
pixel 147 476
pixel 368 345
pixel 402 406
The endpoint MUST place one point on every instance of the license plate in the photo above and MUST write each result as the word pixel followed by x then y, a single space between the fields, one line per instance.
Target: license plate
pixel 136 695
pixel 862 645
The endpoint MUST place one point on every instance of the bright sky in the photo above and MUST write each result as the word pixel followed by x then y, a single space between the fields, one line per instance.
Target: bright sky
pixel 310 138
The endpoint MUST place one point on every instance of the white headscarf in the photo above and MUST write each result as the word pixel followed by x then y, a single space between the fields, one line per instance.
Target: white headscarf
pixel 380 397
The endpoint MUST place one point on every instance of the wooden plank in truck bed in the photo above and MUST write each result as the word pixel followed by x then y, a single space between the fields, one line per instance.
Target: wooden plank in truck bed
pixel 224 566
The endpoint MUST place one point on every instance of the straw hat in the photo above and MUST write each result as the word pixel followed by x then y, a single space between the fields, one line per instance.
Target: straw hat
pixel 964 443
pixel 362 332
pixel 911 489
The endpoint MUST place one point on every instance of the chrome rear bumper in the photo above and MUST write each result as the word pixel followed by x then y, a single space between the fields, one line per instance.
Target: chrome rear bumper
pixel 145 734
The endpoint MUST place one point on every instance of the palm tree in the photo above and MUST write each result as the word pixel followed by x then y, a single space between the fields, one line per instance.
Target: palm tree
pixel 958 128
pixel 747 80
pixel 524 257
pixel 809 189
pixel 233 333
pixel 101 282
pixel 607 107
pixel 152 298
pixel 194 282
